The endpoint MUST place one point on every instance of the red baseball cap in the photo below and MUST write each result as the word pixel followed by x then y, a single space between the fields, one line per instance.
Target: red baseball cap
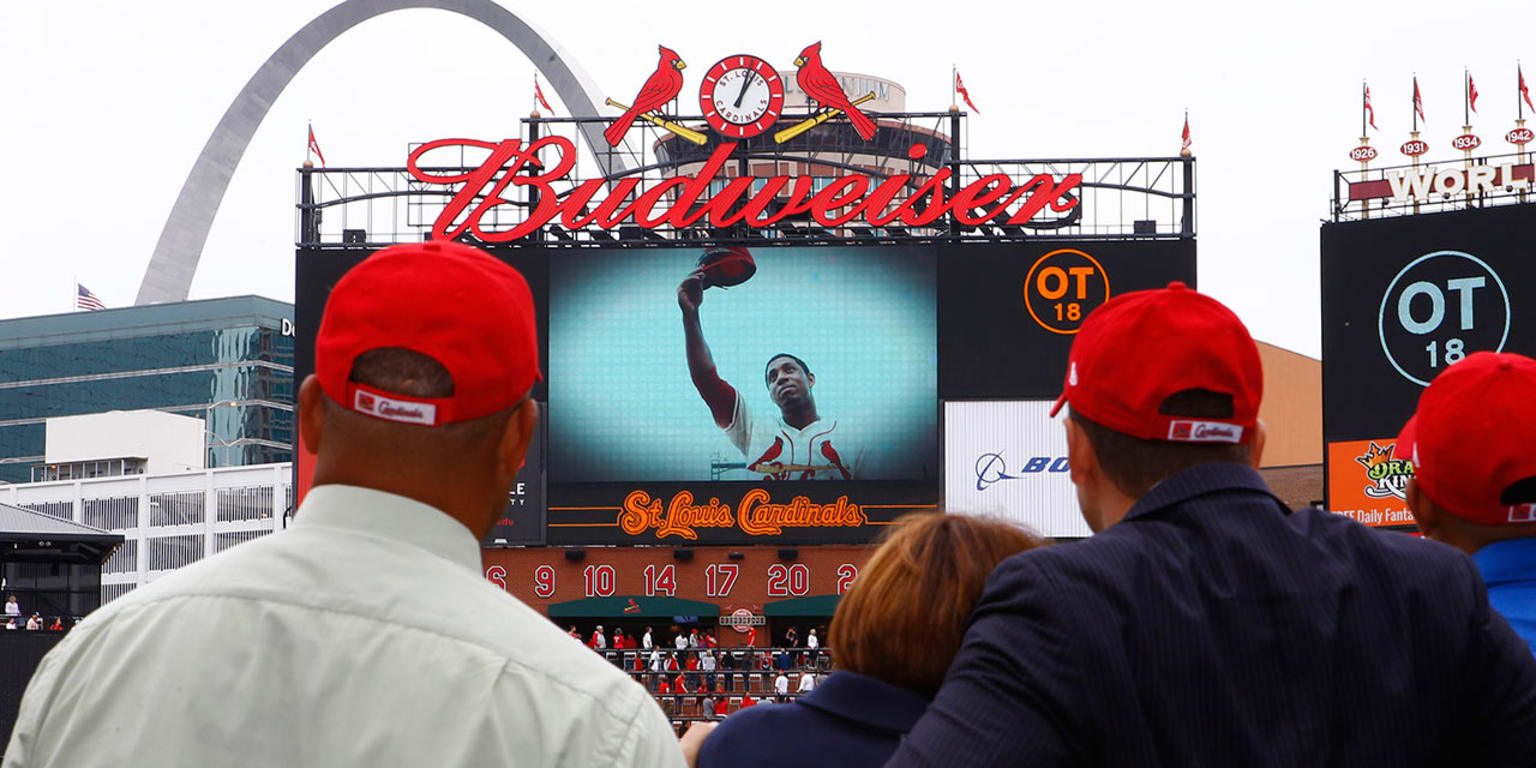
pixel 455 304
pixel 1470 438
pixel 1138 349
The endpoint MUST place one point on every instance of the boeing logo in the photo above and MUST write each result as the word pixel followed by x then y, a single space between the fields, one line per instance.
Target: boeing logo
pixel 991 468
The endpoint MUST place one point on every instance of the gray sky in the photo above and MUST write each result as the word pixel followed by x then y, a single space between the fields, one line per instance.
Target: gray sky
pixel 108 103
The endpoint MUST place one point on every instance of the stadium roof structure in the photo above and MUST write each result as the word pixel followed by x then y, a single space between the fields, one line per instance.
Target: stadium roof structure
pixel 36 537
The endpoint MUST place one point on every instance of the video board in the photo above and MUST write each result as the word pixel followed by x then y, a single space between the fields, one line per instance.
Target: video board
pixel 1402 299
pixel 803 406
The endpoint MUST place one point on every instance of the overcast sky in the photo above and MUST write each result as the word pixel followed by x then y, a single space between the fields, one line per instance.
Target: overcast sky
pixel 106 105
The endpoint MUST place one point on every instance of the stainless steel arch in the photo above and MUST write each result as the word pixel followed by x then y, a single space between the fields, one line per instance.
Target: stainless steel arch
pixel 169 276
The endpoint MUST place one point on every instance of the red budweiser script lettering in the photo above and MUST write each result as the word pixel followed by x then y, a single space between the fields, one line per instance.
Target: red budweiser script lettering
pixel 685 201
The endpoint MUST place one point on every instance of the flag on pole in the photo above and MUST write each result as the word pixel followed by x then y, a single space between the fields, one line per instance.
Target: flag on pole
pixel 960 86
pixel 1369 110
pixel 538 93
pixel 1418 103
pixel 1525 93
pixel 1471 92
pixel 314 146
pixel 84 299
pixel 1186 132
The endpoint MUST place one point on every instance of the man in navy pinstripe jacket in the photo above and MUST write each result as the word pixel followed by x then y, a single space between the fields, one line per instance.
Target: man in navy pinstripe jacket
pixel 1205 624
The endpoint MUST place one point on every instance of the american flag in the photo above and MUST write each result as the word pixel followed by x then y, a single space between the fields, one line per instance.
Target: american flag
pixel 84 299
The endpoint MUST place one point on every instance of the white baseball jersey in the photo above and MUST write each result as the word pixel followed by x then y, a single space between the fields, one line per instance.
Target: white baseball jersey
pixel 820 451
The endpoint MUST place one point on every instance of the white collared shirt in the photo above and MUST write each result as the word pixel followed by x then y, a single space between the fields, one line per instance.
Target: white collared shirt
pixel 363 635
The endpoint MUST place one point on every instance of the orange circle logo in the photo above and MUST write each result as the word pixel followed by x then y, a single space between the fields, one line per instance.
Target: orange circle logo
pixel 1062 287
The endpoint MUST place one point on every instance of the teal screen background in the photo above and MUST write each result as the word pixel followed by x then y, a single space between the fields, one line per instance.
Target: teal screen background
pixel 623 408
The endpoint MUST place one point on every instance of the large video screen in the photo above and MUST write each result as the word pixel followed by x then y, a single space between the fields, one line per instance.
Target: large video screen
pixel 821 366
pixel 1403 298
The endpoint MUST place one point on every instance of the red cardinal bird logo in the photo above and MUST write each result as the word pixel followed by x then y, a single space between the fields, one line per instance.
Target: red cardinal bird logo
pixel 661 87
pixel 820 85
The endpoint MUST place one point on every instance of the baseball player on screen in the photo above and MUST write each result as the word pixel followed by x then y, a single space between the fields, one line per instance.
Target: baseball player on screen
pixel 798 444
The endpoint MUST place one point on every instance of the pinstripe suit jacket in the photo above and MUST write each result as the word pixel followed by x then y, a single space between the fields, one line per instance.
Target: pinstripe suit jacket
pixel 1215 627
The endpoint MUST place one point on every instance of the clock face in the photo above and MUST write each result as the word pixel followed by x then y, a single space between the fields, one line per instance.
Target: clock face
pixel 741 96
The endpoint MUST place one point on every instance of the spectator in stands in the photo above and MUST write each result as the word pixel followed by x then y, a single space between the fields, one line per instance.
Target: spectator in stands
pixel 751 637
pixel 807 682
pixel 727 664
pixel 680 688
pixel 599 639
pixel 57 625
pixel 893 636
pixel 364 633
pixel 1191 627
pixel 707 705
pixel 693 670
pixel 620 640
pixel 1474 474
pixel 791 638
pixel 12 608
pixel 811 640
pixel 10 623
pixel 573 633
pixel 35 621
pixel 709 639
pixel 664 696
pixel 680 642
pixel 781 686
pixel 645 642
pixel 693 639
pixel 707 666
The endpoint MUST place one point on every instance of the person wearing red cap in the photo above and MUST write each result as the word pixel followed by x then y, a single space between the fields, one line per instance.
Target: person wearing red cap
pixel 364 634
pixel 1205 623
pixel 1474 483
pixel 800 443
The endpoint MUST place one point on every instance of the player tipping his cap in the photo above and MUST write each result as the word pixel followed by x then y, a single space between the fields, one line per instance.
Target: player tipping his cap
pixel 1205 623
pixel 798 443
pixel 1473 445
pixel 364 633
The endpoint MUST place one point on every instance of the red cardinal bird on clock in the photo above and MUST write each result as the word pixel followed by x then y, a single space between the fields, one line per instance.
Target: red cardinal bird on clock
pixel 661 87
pixel 820 85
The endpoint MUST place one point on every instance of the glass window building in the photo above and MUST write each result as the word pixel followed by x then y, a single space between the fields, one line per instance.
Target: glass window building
pixel 228 361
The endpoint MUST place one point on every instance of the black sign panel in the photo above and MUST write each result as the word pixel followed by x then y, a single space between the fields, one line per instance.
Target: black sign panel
pixel 523 523
pixel 1403 298
pixel 1008 313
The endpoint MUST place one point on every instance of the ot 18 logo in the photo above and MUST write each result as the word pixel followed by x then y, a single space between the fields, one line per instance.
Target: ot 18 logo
pixel 1440 308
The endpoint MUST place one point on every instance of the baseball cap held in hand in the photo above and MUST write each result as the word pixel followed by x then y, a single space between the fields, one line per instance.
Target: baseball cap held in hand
pixel 1139 349
pixel 1470 438
pixel 456 304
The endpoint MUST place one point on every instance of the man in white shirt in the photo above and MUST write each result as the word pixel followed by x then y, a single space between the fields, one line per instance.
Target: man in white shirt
pixel 781 686
pixel 364 634
pixel 645 642
pixel 12 608
pixel 807 682
pixel 681 642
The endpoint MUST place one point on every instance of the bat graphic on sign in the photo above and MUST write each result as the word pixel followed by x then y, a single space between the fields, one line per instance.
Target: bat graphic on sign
pixel 683 131
pixel 812 122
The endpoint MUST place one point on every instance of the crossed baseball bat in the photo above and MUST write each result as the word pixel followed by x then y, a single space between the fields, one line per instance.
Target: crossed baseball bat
pixel 683 131
pixel 809 123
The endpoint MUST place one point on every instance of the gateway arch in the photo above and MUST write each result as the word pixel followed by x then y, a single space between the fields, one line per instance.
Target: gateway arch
pixel 169 276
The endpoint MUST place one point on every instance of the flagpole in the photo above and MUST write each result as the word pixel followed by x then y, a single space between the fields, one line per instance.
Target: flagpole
pixel 954 72
pixel 1415 104
pixel 1362 107
pixel 1466 96
pixel 310 124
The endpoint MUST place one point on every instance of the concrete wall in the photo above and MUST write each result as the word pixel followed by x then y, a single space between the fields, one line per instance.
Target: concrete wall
pixel 1293 407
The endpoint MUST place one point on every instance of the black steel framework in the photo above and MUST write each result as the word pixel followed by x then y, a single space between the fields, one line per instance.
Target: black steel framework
pixel 1119 198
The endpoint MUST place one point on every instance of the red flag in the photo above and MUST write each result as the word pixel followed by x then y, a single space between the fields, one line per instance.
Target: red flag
pixel 1186 132
pixel 1369 110
pixel 314 146
pixel 538 93
pixel 1525 93
pixel 960 86
pixel 1418 103
pixel 1471 92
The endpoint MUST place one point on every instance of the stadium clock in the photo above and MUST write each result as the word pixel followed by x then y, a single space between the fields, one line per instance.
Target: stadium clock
pixel 741 96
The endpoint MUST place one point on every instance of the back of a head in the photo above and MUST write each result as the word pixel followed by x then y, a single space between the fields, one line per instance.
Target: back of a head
pixel 903 620
pixel 422 352
pixel 1161 381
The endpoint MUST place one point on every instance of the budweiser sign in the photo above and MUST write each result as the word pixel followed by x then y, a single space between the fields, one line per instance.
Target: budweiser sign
pixel 685 201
